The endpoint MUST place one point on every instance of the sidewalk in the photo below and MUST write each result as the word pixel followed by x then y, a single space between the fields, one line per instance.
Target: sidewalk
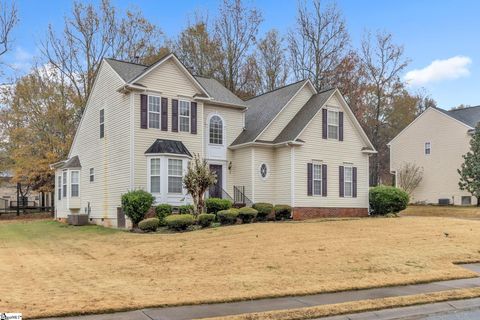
pixel 223 309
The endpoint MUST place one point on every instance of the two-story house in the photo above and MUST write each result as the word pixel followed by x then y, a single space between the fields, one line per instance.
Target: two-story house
pixel 142 124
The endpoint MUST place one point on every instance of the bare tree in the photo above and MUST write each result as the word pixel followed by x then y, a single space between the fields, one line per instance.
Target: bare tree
pixel 8 20
pixel 318 43
pixel 383 62
pixel 236 29
pixel 92 33
pixel 272 62
pixel 409 177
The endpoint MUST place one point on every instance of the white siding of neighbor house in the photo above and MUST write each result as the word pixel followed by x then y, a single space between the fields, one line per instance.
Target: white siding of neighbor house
pixel 334 154
pixel 287 113
pixel 108 156
pixel 449 141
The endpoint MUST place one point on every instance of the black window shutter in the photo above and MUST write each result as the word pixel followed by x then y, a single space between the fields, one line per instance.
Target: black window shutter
pixel 164 114
pixel 324 180
pixel 324 123
pixel 354 182
pixel 340 126
pixel 341 181
pixel 143 111
pixel 193 117
pixel 309 179
pixel 174 115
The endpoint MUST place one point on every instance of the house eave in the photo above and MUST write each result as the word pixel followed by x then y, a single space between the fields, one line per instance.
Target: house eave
pixel 266 144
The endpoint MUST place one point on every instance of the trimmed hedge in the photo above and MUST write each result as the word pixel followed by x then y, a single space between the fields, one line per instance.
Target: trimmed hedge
pixel 179 221
pixel 135 205
pixel 227 216
pixel 385 200
pixel 185 209
pixel 216 204
pixel 205 219
pixel 247 214
pixel 264 209
pixel 163 210
pixel 282 211
pixel 150 224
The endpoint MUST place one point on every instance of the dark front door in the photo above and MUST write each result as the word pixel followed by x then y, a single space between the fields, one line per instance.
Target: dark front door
pixel 216 190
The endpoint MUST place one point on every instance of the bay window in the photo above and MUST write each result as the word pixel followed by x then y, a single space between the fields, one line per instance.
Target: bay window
pixel 155 175
pixel 75 183
pixel 64 183
pixel 175 175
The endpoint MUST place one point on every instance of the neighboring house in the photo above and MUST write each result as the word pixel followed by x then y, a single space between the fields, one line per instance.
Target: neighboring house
pixel 436 141
pixel 8 195
pixel 142 125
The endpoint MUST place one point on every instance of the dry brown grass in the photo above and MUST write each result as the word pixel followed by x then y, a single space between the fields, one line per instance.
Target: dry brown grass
pixel 443 211
pixel 51 269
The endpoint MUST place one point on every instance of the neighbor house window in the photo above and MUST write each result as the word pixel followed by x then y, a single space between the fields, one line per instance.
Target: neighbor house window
pixel 317 179
pixel 64 174
pixel 92 174
pixel 332 122
pixel 184 115
pixel 348 181
pixel 155 175
pixel 216 130
pixel 59 187
pixel 75 183
pixel 153 112
pixel 102 123
pixel 428 147
pixel 175 175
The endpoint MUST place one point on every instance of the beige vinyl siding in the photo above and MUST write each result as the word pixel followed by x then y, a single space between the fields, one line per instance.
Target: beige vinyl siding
pixel 288 112
pixel 333 153
pixel 449 141
pixel 282 172
pixel 108 156
pixel 241 169
pixel 264 188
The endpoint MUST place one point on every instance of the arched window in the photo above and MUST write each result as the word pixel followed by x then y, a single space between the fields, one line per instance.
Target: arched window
pixel 216 130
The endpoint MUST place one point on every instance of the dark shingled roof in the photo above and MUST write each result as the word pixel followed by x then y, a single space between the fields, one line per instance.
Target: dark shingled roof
pixel 73 162
pixel 168 146
pixel 301 119
pixel 469 115
pixel 263 108
pixel 126 70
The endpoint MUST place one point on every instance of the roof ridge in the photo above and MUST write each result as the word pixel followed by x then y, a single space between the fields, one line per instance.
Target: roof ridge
pixel 459 109
pixel 124 61
pixel 276 89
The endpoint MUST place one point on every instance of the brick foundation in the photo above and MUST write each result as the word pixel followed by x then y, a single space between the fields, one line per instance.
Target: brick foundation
pixel 302 213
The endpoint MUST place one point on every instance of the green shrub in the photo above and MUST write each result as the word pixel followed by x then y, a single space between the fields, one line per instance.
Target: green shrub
pixel 282 211
pixel 247 214
pixel 185 209
pixel 205 219
pixel 227 216
pixel 150 224
pixel 264 209
pixel 216 204
pixel 384 200
pixel 163 210
pixel 135 205
pixel 179 221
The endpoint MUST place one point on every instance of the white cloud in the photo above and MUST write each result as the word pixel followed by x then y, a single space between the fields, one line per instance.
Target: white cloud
pixel 452 68
pixel 21 60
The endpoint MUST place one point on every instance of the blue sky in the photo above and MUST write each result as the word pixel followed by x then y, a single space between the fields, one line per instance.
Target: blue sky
pixel 442 31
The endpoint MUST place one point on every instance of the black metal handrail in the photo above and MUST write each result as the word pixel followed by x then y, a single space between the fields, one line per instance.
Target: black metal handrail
pixel 215 190
pixel 240 197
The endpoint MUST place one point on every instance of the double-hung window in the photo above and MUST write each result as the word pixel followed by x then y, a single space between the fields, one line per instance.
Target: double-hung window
pixel 428 147
pixel 216 130
pixel 75 183
pixel 332 124
pixel 184 115
pixel 102 123
pixel 175 175
pixel 317 179
pixel 348 181
pixel 64 183
pixel 59 187
pixel 92 174
pixel 153 112
pixel 155 175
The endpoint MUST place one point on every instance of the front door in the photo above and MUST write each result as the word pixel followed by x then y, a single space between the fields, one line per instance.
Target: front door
pixel 215 191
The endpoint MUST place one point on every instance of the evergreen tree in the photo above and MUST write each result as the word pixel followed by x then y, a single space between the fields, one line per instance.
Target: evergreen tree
pixel 470 169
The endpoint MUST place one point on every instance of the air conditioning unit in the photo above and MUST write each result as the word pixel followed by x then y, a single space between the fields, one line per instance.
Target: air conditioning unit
pixel 77 219
pixel 444 202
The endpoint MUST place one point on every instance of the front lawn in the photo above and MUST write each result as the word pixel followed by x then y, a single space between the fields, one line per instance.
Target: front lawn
pixel 468 212
pixel 51 269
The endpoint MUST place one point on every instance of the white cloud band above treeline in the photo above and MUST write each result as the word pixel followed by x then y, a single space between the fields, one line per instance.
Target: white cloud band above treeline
pixel 452 68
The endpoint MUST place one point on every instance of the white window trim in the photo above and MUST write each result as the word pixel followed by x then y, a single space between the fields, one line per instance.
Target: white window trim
pixel 169 175
pixel 149 175
pixel 260 171
pixel 91 174
pixel 224 138
pixel 189 115
pixel 429 148
pixel 345 166
pixel 317 163
pixel 64 184
pixel 72 184
pixel 159 111
pixel 333 125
